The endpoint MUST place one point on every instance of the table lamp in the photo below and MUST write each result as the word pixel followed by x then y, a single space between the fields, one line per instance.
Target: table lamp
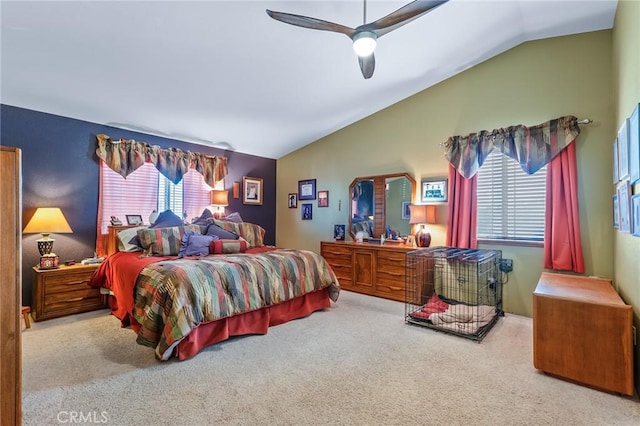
pixel 219 200
pixel 419 214
pixel 45 221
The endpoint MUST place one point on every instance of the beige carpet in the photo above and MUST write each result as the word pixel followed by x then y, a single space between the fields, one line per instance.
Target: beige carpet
pixel 356 363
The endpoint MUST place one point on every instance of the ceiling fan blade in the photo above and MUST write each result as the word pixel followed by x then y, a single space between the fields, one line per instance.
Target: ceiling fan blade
pixel 308 22
pixel 400 17
pixel 367 65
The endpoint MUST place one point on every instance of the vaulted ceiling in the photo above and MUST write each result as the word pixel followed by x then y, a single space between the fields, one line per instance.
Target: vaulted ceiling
pixel 223 73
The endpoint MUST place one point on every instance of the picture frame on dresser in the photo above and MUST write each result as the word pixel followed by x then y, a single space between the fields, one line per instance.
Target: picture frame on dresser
pixel 133 219
pixel 624 206
pixel 634 145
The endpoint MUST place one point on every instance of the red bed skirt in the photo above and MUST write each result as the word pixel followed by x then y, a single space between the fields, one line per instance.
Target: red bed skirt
pixel 254 322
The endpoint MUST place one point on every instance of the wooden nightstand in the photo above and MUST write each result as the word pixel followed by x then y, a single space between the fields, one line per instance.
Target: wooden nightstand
pixel 65 291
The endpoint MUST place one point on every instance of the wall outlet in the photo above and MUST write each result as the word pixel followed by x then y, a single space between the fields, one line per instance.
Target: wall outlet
pixel 506 265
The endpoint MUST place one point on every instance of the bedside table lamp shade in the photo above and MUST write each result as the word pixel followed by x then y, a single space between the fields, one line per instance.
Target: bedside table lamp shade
pixel 45 221
pixel 219 199
pixel 419 215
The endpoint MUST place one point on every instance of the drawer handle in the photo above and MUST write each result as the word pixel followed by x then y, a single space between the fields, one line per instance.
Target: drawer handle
pixel 395 288
pixel 78 282
pixel 397 274
pixel 335 252
pixel 77 299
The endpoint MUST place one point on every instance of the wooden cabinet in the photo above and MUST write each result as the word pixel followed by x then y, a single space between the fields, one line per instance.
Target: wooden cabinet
pixel 10 286
pixel 582 331
pixel 65 291
pixel 377 270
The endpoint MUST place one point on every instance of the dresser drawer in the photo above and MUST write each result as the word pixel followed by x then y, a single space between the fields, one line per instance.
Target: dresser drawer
pixel 76 301
pixel 67 282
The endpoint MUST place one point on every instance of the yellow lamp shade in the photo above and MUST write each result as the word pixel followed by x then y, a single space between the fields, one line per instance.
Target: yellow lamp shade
pixel 47 220
pixel 219 197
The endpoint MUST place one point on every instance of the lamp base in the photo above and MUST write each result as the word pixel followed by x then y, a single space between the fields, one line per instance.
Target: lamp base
pixel 423 238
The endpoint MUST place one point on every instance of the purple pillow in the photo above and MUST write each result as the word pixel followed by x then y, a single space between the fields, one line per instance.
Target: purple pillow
pixel 205 218
pixel 233 217
pixel 167 219
pixel 223 234
pixel 194 244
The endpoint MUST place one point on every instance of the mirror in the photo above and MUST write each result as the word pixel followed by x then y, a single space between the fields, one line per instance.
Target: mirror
pixel 380 204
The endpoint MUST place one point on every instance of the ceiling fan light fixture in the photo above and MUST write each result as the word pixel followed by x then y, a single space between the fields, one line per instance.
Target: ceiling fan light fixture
pixel 364 43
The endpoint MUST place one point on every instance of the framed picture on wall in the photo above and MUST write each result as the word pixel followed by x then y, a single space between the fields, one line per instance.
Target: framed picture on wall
pixel 406 212
pixel 624 205
pixel 307 211
pixel 615 162
pixel 616 212
pixel 323 198
pixel 307 189
pixel 293 200
pixel 635 212
pixel 634 145
pixel 433 190
pixel 623 151
pixel 252 190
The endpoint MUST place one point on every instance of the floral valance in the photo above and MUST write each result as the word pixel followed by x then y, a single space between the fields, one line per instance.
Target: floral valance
pixel 125 156
pixel 531 147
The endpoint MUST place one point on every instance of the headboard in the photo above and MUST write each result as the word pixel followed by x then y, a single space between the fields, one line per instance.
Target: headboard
pixel 112 237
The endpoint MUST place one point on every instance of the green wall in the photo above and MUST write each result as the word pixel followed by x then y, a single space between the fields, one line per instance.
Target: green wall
pixel 626 86
pixel 529 84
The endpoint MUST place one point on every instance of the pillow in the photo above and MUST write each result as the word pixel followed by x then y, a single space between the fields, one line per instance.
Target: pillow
pixel 195 244
pixel 228 246
pixel 167 219
pixel 233 217
pixel 204 218
pixel 215 230
pixel 161 241
pixel 128 239
pixel 254 234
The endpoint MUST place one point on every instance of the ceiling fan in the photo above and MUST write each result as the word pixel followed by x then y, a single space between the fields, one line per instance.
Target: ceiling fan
pixel 364 36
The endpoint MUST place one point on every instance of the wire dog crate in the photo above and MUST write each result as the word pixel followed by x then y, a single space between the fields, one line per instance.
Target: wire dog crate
pixel 458 291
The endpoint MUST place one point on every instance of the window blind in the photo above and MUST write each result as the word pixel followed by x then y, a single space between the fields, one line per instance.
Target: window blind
pixel 511 203
pixel 146 190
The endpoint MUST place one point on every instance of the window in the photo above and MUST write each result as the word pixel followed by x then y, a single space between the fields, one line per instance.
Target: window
pixel 146 190
pixel 511 203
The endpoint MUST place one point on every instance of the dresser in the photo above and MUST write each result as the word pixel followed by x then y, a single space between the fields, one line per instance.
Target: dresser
pixel 65 291
pixel 10 286
pixel 374 269
pixel 582 331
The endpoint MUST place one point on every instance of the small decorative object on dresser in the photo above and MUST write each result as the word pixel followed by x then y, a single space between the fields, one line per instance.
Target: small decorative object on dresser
pixel 421 214
pixel 339 232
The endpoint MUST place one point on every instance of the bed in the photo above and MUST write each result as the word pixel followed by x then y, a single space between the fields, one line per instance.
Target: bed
pixel 180 305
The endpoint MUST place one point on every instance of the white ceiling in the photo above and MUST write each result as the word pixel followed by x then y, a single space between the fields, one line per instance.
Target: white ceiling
pixel 223 73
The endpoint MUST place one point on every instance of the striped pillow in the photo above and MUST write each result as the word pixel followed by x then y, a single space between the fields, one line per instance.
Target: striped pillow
pixel 254 234
pixel 164 241
pixel 228 246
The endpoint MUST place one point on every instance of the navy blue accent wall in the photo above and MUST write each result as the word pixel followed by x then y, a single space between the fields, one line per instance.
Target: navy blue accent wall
pixel 60 169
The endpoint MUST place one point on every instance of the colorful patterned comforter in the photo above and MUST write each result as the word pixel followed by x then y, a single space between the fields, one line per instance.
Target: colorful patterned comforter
pixel 172 297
